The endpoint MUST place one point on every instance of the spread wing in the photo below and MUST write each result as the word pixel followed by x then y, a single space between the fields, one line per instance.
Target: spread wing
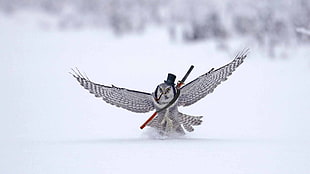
pixel 206 83
pixel 131 100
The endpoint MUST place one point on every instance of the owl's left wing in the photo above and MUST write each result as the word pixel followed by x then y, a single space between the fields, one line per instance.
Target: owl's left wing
pixel 206 83
pixel 131 100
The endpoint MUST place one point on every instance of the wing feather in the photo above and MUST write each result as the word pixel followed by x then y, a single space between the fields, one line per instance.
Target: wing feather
pixel 131 100
pixel 206 83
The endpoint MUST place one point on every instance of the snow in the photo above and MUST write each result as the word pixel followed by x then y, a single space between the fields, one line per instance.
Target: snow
pixel 255 122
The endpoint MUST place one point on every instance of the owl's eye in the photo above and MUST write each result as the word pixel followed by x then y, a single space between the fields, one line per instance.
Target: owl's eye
pixel 167 90
pixel 160 90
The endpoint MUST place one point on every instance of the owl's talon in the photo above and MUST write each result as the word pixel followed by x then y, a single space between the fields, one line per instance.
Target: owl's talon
pixel 169 124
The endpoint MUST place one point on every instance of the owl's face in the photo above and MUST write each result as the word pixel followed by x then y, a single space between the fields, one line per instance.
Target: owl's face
pixel 164 93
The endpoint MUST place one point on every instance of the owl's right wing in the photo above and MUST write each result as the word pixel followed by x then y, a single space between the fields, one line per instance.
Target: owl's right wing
pixel 131 100
pixel 206 83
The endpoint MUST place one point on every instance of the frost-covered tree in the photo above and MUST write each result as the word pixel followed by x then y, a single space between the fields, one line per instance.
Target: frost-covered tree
pixel 267 23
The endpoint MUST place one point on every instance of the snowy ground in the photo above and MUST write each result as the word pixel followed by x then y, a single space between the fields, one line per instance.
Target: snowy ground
pixel 256 122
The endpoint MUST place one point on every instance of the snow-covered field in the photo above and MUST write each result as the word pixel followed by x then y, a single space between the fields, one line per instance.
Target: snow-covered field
pixel 256 122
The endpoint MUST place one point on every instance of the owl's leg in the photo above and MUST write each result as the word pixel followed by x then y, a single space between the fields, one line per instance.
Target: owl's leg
pixel 167 123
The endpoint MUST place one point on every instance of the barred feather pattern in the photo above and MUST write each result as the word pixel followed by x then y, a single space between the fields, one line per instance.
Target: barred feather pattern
pixel 206 83
pixel 177 119
pixel 189 121
pixel 163 128
pixel 154 123
pixel 131 100
pixel 171 126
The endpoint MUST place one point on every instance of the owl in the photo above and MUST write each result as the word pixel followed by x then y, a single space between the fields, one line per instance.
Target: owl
pixel 169 121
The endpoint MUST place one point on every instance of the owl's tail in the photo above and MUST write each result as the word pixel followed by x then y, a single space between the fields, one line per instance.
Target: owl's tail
pixel 189 121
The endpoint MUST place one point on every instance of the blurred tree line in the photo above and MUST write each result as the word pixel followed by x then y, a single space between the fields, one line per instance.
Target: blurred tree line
pixel 269 23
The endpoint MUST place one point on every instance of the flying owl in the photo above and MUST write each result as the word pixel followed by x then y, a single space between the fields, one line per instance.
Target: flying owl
pixel 166 98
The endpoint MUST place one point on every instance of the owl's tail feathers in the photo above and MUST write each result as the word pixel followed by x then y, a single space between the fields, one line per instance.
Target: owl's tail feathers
pixel 189 121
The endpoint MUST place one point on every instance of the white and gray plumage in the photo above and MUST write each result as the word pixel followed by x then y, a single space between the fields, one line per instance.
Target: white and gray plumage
pixel 169 121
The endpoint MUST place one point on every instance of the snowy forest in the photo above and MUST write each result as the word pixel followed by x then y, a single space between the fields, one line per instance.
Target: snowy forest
pixel 268 23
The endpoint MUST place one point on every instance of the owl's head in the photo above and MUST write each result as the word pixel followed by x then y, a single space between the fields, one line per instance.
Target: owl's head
pixel 165 92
